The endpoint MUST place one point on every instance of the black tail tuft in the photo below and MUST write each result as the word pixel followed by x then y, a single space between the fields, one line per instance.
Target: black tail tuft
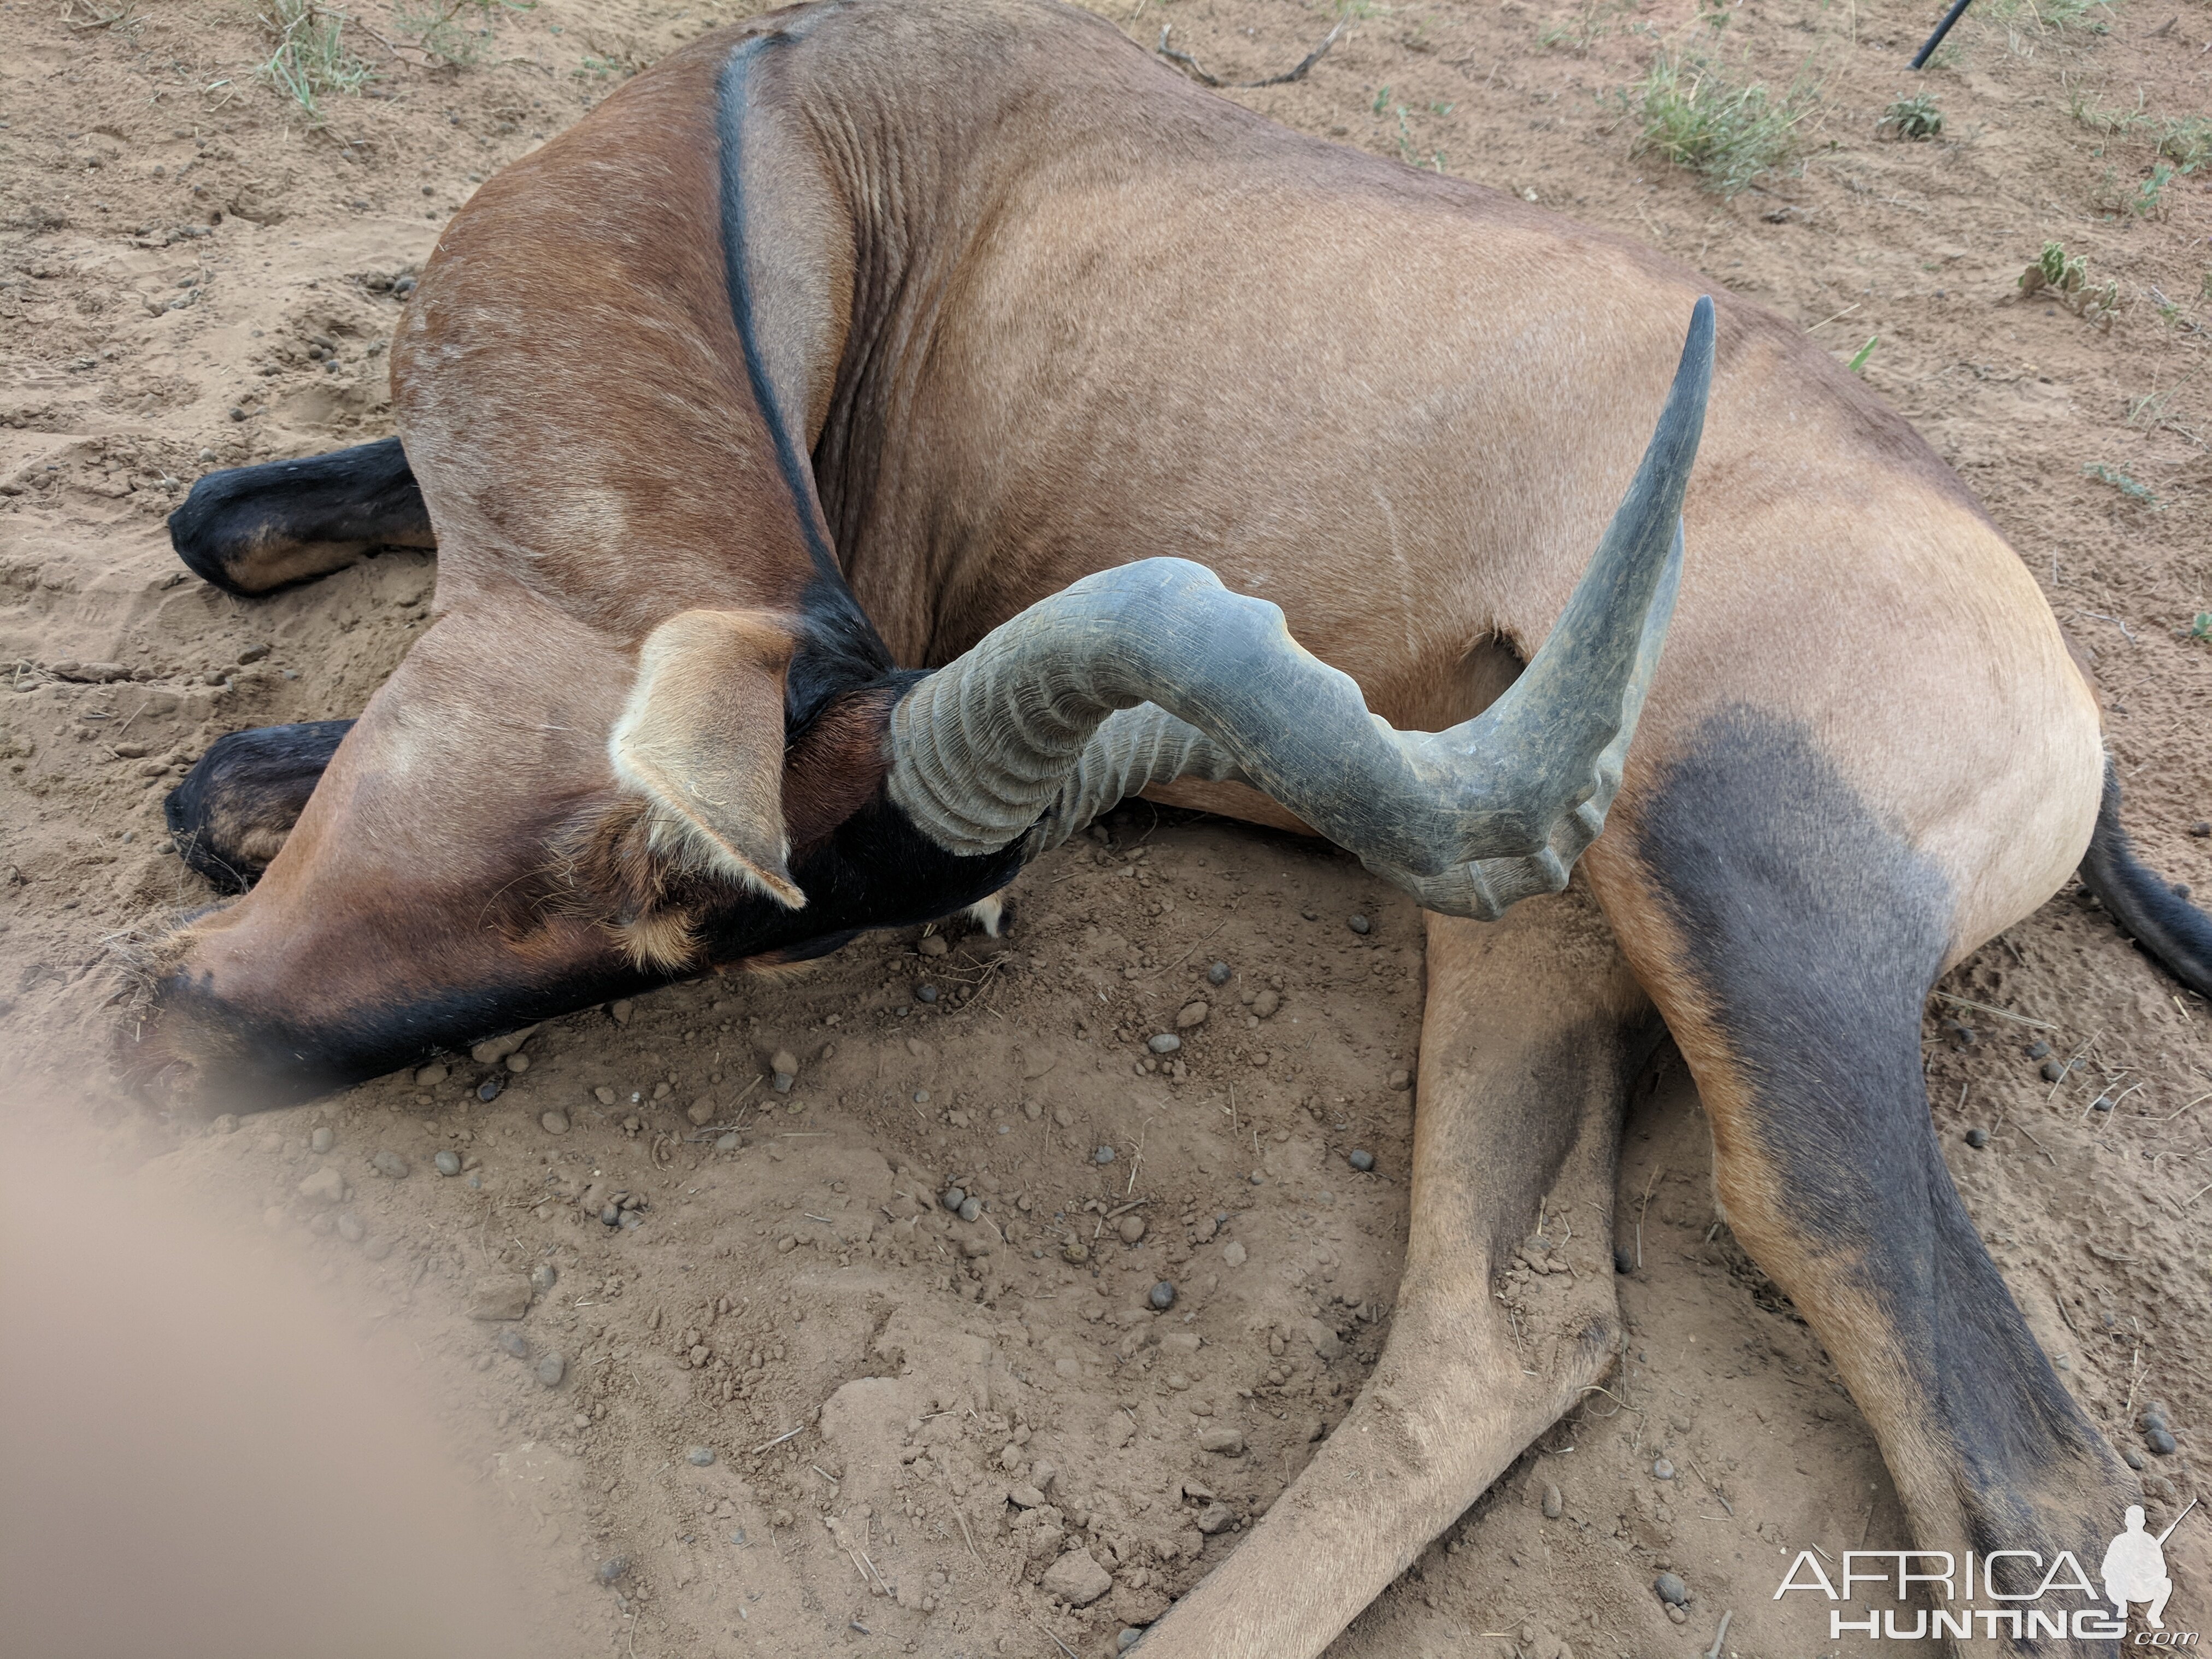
pixel 2164 923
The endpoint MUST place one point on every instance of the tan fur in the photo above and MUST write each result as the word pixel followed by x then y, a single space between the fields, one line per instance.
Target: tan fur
pixel 703 739
pixel 1110 316
pixel 1453 1400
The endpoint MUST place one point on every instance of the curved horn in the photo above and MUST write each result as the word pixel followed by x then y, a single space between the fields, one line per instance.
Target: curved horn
pixel 1155 671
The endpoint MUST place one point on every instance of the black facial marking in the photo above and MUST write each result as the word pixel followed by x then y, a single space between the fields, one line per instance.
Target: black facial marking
pixel 356 498
pixel 1816 931
pixel 233 810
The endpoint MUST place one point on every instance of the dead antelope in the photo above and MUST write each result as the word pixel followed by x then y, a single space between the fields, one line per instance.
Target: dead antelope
pixel 882 436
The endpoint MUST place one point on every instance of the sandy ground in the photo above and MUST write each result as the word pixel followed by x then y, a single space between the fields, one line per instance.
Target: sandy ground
pixel 195 276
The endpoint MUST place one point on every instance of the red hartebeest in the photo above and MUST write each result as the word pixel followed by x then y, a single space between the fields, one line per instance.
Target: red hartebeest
pixel 959 336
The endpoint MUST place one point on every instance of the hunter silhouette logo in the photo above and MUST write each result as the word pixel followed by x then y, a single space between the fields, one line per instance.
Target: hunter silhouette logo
pixel 2134 1568
pixel 2025 1592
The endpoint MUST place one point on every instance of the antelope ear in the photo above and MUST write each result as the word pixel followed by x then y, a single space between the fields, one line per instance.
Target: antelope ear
pixel 702 740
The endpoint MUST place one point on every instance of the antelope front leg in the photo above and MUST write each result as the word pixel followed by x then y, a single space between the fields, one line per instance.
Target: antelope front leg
pixel 1531 1030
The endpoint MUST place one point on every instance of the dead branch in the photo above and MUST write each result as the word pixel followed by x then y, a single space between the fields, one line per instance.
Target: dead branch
pixel 1200 73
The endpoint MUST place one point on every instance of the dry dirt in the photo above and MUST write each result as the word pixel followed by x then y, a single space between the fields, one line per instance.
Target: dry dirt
pixel 195 275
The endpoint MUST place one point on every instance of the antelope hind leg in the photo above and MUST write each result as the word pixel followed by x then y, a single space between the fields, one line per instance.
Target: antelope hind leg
pixel 1533 1030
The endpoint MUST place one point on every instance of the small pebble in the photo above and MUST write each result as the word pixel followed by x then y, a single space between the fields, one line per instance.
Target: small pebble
pixel 1217 975
pixel 1671 1589
pixel 933 945
pixel 2052 1070
pixel 1233 1252
pixel 350 1228
pixel 1623 1262
pixel 516 1063
pixel 1361 1161
pixel 390 1165
pixel 1104 1155
pixel 952 1198
pixel 429 1076
pixel 1266 1003
pixel 321 1141
pixel 2037 1050
pixel 2159 1441
pixel 1129 1637
pixel 925 992
pixel 613 1569
pixel 1663 1469
pixel 1165 1044
pixel 543 1277
pixel 1977 1137
pixel 513 1342
pixel 1132 1229
pixel 1360 924
pixel 1554 1505
pixel 921 1096
pixel 552 1366
pixel 727 1143
pixel 604 1095
pixel 448 1163
pixel 971 1209
pixel 554 1124
pixel 700 1457
pixel 2129 1454
pixel 611 1216
pixel 619 1010
pixel 1162 1296
pixel 487 1090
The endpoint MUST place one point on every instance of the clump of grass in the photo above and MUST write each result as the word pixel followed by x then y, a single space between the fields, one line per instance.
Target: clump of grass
pixel 2056 16
pixel 1915 117
pixel 458 32
pixel 2065 278
pixel 310 59
pixel 2183 140
pixel 2139 493
pixel 1727 134
pixel 1586 27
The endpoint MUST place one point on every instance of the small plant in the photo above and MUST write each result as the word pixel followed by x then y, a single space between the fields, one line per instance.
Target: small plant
pixel 2139 493
pixel 2145 202
pixel 2200 630
pixel 310 59
pixel 2063 278
pixel 1586 27
pixel 1728 135
pixel 1858 362
pixel 458 32
pixel 1915 117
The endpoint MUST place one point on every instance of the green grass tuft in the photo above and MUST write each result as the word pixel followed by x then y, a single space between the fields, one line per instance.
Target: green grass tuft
pixel 1915 117
pixel 1728 135
pixel 310 59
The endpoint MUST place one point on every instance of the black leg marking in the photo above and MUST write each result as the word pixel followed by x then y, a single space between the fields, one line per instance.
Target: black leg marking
pixel 252 529
pixel 1815 932
pixel 233 810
